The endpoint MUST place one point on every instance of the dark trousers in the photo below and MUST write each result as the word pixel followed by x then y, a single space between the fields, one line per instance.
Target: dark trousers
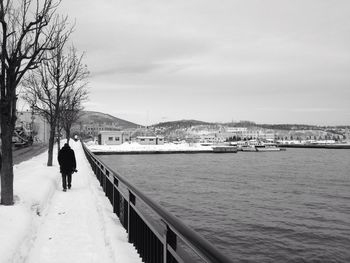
pixel 66 180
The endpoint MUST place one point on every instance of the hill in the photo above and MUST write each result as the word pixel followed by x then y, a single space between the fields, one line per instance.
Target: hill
pixel 103 118
pixel 178 130
pixel 180 124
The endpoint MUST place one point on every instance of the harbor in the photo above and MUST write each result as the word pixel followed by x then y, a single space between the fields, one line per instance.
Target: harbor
pixel 279 198
pixel 182 148
pixel 195 148
pixel 221 139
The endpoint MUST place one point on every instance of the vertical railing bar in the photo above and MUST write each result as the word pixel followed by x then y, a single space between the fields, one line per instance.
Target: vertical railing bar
pixel 149 246
pixel 143 240
pixel 118 204
pixel 129 213
pixel 161 249
pixel 137 232
pixel 146 244
pixel 165 249
pixel 126 214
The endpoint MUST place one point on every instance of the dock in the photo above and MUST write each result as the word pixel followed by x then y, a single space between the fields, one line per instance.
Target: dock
pixel 135 148
pixel 317 146
pixel 150 152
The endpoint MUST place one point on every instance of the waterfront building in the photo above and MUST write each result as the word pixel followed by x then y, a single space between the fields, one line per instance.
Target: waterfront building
pixel 212 138
pixel 238 133
pixel 150 140
pixel 34 124
pixel 347 135
pixel 94 128
pixel 113 137
pixel 236 129
pixel 250 133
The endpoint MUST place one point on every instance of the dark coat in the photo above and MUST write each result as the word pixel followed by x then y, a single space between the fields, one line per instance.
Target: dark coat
pixel 66 159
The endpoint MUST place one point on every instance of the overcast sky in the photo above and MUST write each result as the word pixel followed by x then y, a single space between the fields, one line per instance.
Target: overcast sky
pixel 268 61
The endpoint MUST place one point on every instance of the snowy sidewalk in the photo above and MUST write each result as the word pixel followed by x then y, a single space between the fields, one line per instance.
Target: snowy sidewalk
pixel 77 225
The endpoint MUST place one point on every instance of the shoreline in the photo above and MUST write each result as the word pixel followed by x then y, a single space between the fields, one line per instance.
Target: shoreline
pixel 136 149
pixel 317 146
pixel 152 152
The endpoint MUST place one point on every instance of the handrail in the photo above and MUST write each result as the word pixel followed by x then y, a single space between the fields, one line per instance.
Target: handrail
pixel 202 247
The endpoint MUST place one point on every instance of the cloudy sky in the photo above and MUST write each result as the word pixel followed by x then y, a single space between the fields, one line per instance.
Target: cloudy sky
pixel 268 61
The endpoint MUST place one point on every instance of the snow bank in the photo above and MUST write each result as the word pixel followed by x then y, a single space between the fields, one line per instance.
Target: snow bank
pixel 136 147
pixel 34 185
pixel 49 225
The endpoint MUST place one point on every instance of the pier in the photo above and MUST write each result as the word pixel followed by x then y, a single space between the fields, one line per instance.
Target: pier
pixel 317 146
pixel 148 152
pixel 168 148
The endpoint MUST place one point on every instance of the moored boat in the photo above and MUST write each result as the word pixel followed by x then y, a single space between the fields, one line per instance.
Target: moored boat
pixel 224 149
pixel 268 147
pixel 248 148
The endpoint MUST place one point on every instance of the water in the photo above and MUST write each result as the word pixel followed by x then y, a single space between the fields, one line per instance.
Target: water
pixel 291 206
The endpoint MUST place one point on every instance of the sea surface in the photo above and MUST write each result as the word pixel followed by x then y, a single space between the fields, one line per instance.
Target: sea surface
pixel 291 206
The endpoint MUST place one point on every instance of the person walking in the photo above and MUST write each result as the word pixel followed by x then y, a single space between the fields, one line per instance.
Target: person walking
pixel 67 162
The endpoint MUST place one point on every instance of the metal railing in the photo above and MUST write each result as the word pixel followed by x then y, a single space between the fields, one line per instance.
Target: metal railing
pixel 154 243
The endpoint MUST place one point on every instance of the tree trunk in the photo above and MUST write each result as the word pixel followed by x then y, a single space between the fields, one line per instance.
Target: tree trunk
pixel 7 161
pixel 68 135
pixel 58 136
pixel 51 144
pixel 58 143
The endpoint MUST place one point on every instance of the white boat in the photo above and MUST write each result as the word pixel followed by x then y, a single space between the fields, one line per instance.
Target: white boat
pixel 206 143
pixel 248 148
pixel 267 147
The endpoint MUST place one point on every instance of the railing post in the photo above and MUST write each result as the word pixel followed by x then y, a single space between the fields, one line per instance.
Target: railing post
pixel 170 239
pixel 132 200
pixel 165 248
pixel 105 174
pixel 116 196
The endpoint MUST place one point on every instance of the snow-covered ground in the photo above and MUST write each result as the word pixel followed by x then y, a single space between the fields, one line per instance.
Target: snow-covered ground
pixel 136 147
pixel 48 225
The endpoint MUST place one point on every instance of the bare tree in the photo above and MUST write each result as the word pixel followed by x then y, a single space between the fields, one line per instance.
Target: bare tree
pixel 26 33
pixel 72 107
pixel 48 86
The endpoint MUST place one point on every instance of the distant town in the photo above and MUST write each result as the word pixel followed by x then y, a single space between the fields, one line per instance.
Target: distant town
pixel 92 125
